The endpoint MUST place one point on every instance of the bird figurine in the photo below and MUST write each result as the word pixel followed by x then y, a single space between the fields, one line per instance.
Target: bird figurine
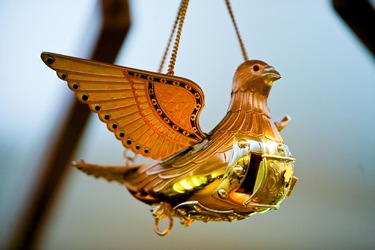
pixel 242 167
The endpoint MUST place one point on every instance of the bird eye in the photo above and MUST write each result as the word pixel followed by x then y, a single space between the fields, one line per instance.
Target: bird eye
pixel 255 68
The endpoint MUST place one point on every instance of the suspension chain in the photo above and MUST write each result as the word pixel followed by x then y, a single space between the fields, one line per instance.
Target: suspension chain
pixel 180 18
pixel 170 39
pixel 237 31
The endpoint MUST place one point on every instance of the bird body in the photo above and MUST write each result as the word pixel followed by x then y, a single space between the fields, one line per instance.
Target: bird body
pixel 248 114
pixel 240 168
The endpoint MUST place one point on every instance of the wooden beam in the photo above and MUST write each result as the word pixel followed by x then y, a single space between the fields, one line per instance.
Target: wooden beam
pixel 115 23
pixel 359 15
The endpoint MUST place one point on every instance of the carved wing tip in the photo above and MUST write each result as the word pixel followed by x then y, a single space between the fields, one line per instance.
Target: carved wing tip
pixel 48 58
pixel 109 173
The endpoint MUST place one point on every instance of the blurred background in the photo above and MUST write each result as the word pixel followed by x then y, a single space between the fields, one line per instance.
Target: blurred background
pixel 327 87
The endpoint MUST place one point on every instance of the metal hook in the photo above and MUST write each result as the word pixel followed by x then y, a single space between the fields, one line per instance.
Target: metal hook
pixel 167 230
pixel 161 211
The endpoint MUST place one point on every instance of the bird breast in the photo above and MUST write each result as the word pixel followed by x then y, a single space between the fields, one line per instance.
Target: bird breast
pixel 249 114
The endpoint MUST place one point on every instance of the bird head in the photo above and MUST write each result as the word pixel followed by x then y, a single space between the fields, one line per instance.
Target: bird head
pixel 254 76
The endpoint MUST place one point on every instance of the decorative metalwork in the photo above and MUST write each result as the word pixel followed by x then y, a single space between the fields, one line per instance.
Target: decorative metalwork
pixel 242 167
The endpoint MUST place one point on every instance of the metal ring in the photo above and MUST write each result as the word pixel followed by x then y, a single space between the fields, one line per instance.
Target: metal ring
pixel 167 230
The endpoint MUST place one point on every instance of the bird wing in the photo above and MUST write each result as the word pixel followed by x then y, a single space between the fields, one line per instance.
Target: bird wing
pixel 153 114
pixel 110 173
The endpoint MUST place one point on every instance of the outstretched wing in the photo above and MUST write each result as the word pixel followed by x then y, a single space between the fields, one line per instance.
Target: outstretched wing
pixel 152 114
pixel 110 173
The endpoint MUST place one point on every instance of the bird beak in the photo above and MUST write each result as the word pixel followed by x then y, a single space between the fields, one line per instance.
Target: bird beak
pixel 270 75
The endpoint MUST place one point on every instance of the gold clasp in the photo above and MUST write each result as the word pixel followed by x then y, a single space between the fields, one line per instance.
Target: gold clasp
pixel 160 212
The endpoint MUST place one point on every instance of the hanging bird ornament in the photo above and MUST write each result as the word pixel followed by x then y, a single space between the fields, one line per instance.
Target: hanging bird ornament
pixel 242 167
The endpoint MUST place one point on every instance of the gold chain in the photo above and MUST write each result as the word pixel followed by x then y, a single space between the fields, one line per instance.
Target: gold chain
pixel 170 39
pixel 237 31
pixel 180 18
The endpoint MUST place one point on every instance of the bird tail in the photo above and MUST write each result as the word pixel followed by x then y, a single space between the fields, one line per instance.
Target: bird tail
pixel 110 173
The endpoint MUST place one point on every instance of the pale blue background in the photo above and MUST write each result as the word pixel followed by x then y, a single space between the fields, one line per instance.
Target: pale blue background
pixel 327 87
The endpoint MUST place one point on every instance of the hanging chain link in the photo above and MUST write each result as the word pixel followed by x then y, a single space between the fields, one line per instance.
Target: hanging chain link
pixel 170 38
pixel 237 31
pixel 180 18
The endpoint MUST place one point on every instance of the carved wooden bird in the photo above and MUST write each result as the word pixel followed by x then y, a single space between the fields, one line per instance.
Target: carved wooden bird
pixel 241 167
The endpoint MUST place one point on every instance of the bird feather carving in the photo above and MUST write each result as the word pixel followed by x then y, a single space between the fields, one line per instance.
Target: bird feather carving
pixel 156 115
pixel 152 114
